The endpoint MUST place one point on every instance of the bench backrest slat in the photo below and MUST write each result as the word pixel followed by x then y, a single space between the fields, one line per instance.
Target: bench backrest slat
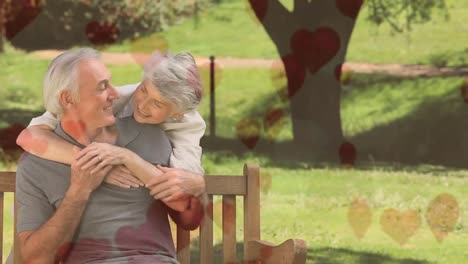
pixel 224 185
pixel 229 229
pixel 183 245
pixel 206 234
pixel 251 205
pixel 7 181
pixel 1 225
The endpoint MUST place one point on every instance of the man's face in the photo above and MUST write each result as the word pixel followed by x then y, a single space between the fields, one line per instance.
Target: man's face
pixel 150 106
pixel 96 94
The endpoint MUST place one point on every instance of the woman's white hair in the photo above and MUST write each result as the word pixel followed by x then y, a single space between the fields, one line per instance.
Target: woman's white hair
pixel 177 79
pixel 62 76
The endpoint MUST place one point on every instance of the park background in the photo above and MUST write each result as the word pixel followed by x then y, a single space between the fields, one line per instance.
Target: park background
pixel 407 124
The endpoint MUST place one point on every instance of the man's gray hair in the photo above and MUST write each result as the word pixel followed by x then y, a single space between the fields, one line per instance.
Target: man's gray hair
pixel 62 76
pixel 177 79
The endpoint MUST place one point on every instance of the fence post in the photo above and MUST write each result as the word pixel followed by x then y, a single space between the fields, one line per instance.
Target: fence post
pixel 212 98
pixel 2 25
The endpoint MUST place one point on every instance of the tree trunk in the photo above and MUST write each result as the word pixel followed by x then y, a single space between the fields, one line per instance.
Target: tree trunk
pixel 312 41
pixel 315 116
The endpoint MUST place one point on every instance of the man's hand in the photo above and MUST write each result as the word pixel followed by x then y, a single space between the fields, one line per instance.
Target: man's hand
pixel 175 184
pixel 84 182
pixel 122 177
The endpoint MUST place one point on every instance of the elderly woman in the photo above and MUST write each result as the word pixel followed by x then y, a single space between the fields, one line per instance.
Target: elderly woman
pixel 168 95
pixel 64 212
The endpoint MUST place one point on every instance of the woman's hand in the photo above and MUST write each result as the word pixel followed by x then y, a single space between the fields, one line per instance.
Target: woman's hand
pixel 122 177
pixel 101 154
pixel 175 184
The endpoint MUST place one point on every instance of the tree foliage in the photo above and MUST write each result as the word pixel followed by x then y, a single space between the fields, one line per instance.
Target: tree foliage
pixel 65 23
pixel 134 17
pixel 401 15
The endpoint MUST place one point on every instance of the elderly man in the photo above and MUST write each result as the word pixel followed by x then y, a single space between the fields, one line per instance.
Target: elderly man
pixel 68 214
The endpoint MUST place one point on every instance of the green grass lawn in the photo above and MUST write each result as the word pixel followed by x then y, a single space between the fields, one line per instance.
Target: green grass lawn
pixel 380 114
pixel 230 30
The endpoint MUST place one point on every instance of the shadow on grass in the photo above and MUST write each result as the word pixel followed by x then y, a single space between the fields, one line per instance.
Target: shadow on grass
pixel 288 152
pixel 323 255
pixel 434 134
pixel 328 255
pixel 367 80
pixel 222 150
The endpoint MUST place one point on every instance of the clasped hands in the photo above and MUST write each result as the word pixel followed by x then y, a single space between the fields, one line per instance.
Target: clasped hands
pixel 175 187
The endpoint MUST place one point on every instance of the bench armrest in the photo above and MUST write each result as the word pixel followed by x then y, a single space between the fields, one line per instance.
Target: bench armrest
pixel 291 251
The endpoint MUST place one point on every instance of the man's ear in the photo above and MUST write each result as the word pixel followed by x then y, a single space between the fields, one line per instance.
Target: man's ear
pixel 66 99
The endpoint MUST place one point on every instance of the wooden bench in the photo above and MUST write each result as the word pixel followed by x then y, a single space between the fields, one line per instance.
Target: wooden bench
pixel 292 251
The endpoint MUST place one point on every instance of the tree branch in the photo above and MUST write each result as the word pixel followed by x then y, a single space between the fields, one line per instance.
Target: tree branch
pixel 274 9
pixel 387 16
pixel 280 7
pixel 300 5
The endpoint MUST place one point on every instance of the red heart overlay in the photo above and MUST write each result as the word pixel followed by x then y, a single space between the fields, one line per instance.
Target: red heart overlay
pixel 101 33
pixel 196 216
pixel 33 145
pixel 250 142
pixel 272 117
pixel 209 213
pixel 248 131
pixel 310 50
pixel 349 8
pixel 229 211
pixel 101 249
pixel 193 78
pixel 272 122
pixel 75 128
pixel 266 252
pixel 217 209
pixel 315 49
pixel 347 153
pixel 8 137
pixel 295 73
pixel 141 237
pixel 19 14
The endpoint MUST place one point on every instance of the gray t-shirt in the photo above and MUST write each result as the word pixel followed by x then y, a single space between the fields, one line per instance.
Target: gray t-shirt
pixel 119 225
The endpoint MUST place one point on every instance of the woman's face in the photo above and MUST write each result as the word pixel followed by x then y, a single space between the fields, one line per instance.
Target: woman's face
pixel 150 106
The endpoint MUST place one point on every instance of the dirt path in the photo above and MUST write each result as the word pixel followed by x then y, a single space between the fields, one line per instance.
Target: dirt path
pixel 229 62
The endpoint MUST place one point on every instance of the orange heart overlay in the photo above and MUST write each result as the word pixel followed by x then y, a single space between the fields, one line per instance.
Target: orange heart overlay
pixel 442 215
pixel 359 217
pixel 279 79
pixel 265 182
pixel 205 73
pixel 400 225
